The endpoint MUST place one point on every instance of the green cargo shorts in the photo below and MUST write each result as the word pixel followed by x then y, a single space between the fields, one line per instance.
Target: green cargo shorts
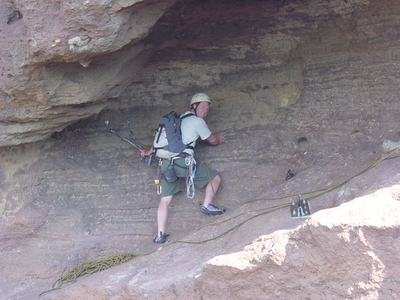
pixel 203 176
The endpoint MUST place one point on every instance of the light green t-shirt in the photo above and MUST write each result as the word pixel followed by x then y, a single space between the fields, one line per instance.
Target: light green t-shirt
pixel 192 128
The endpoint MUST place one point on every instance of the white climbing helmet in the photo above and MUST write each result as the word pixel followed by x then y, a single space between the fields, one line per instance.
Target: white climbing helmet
pixel 200 97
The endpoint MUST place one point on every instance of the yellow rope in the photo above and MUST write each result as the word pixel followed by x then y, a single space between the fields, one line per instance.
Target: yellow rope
pixel 89 267
pixel 317 193
pixel 313 194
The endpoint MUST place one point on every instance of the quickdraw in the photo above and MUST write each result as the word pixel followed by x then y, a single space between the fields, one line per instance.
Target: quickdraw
pixel 136 145
pixel 134 142
pixel 190 162
pixel 158 180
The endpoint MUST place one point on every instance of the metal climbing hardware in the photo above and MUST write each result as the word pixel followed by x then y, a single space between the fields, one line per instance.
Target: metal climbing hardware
pixel 131 132
pixel 150 159
pixel 131 139
pixel 305 206
pixel 190 162
pixel 300 208
pixel 136 145
pixel 158 180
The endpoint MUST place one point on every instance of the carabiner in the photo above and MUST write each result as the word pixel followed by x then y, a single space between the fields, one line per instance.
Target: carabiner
pixel 159 189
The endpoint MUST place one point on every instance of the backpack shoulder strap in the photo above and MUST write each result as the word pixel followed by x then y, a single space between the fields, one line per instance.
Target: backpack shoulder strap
pixel 188 146
pixel 187 115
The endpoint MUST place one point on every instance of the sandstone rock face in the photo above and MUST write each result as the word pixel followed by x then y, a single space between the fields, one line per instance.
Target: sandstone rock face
pixel 342 253
pixel 56 66
pixel 310 86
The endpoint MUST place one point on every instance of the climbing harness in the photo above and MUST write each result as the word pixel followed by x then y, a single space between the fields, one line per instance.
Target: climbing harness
pixel 190 162
pixel 170 176
pixel 191 168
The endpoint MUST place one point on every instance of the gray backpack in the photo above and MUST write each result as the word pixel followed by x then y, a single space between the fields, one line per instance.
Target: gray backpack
pixel 168 139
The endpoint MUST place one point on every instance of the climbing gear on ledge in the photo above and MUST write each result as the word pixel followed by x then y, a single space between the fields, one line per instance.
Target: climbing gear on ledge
pixel 300 208
pixel 190 162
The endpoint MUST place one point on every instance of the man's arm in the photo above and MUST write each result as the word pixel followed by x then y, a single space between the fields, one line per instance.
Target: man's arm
pixel 145 153
pixel 216 139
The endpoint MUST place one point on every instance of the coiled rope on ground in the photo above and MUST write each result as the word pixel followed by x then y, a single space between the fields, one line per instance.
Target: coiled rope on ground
pixel 90 267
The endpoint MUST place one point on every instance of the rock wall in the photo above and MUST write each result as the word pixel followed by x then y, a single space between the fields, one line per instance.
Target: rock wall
pixel 341 253
pixel 61 61
pixel 308 86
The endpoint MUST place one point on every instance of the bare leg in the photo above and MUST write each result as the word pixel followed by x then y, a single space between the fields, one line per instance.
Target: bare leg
pixel 162 213
pixel 211 189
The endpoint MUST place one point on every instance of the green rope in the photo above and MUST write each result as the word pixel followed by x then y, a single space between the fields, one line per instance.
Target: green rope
pixel 88 268
pixel 314 194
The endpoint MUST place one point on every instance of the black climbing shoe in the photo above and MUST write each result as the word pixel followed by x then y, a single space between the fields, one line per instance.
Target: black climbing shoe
pixel 211 210
pixel 161 239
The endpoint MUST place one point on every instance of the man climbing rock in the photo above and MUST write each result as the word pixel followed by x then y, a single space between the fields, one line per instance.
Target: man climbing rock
pixel 193 126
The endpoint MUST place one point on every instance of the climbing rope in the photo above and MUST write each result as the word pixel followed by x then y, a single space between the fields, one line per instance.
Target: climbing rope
pixel 317 193
pixel 88 268
pixel 107 262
